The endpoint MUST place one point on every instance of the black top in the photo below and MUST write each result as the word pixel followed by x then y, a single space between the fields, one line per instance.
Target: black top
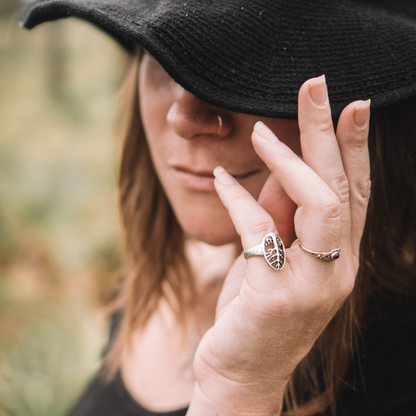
pixel 381 382
pixel 113 399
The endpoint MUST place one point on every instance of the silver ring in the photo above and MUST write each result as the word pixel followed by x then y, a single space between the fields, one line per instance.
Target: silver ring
pixel 272 249
pixel 326 256
pixel 219 125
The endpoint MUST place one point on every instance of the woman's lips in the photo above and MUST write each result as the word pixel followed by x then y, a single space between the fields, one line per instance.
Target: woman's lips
pixel 202 181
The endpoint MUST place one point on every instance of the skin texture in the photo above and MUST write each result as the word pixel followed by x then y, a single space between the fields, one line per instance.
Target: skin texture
pixel 181 133
pixel 266 321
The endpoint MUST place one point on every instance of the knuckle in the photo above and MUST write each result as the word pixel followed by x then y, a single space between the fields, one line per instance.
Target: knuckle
pixel 342 186
pixel 325 126
pixel 284 302
pixel 363 190
pixel 332 296
pixel 346 287
pixel 261 226
pixel 330 206
pixel 241 197
pixel 318 123
pixel 358 141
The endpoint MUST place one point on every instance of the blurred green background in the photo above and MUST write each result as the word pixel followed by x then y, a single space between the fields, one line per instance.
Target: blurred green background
pixel 59 259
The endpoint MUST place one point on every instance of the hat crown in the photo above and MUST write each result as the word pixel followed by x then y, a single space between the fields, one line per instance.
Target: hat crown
pixel 252 56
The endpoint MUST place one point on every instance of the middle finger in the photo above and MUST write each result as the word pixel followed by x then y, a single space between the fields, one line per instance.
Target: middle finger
pixel 320 149
pixel 318 217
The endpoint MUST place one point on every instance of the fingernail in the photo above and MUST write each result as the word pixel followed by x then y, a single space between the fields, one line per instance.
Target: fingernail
pixel 264 132
pixel 362 113
pixel 223 176
pixel 318 91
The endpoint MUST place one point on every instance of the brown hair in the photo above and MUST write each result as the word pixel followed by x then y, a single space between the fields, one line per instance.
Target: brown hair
pixel 155 260
pixel 157 266
pixel 387 269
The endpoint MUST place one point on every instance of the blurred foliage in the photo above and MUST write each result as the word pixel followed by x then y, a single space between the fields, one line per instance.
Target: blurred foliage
pixel 59 260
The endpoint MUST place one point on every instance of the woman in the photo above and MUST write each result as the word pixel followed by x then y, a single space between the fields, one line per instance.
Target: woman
pixel 281 328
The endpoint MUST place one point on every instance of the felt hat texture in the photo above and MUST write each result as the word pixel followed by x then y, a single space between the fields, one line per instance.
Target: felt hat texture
pixel 252 56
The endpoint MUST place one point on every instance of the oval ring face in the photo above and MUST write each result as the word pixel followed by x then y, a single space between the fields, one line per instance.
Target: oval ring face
pixel 274 251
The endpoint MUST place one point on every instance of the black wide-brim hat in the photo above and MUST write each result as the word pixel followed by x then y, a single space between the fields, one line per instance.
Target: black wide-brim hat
pixel 252 56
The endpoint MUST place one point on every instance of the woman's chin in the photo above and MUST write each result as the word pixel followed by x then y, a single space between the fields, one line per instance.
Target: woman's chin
pixel 215 240
pixel 214 235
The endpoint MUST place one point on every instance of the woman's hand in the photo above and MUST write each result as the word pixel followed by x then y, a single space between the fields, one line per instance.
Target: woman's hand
pixel 268 320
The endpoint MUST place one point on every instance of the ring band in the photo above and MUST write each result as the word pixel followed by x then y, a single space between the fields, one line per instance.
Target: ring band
pixel 219 125
pixel 326 256
pixel 272 249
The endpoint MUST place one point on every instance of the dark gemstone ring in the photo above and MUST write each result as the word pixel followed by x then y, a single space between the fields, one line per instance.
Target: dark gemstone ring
pixel 327 256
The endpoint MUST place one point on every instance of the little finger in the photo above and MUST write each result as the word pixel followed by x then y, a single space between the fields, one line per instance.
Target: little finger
pixel 352 134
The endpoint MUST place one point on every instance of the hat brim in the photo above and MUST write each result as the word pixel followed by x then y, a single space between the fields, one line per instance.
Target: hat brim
pixel 252 56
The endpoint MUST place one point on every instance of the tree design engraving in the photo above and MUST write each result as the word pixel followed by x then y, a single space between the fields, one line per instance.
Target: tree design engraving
pixel 274 252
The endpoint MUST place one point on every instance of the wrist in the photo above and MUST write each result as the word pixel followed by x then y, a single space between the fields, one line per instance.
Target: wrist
pixel 233 399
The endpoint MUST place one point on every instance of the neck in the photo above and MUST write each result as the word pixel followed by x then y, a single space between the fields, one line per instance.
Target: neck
pixel 163 348
pixel 210 266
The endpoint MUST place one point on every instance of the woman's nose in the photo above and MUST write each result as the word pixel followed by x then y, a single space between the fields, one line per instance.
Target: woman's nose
pixel 191 117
